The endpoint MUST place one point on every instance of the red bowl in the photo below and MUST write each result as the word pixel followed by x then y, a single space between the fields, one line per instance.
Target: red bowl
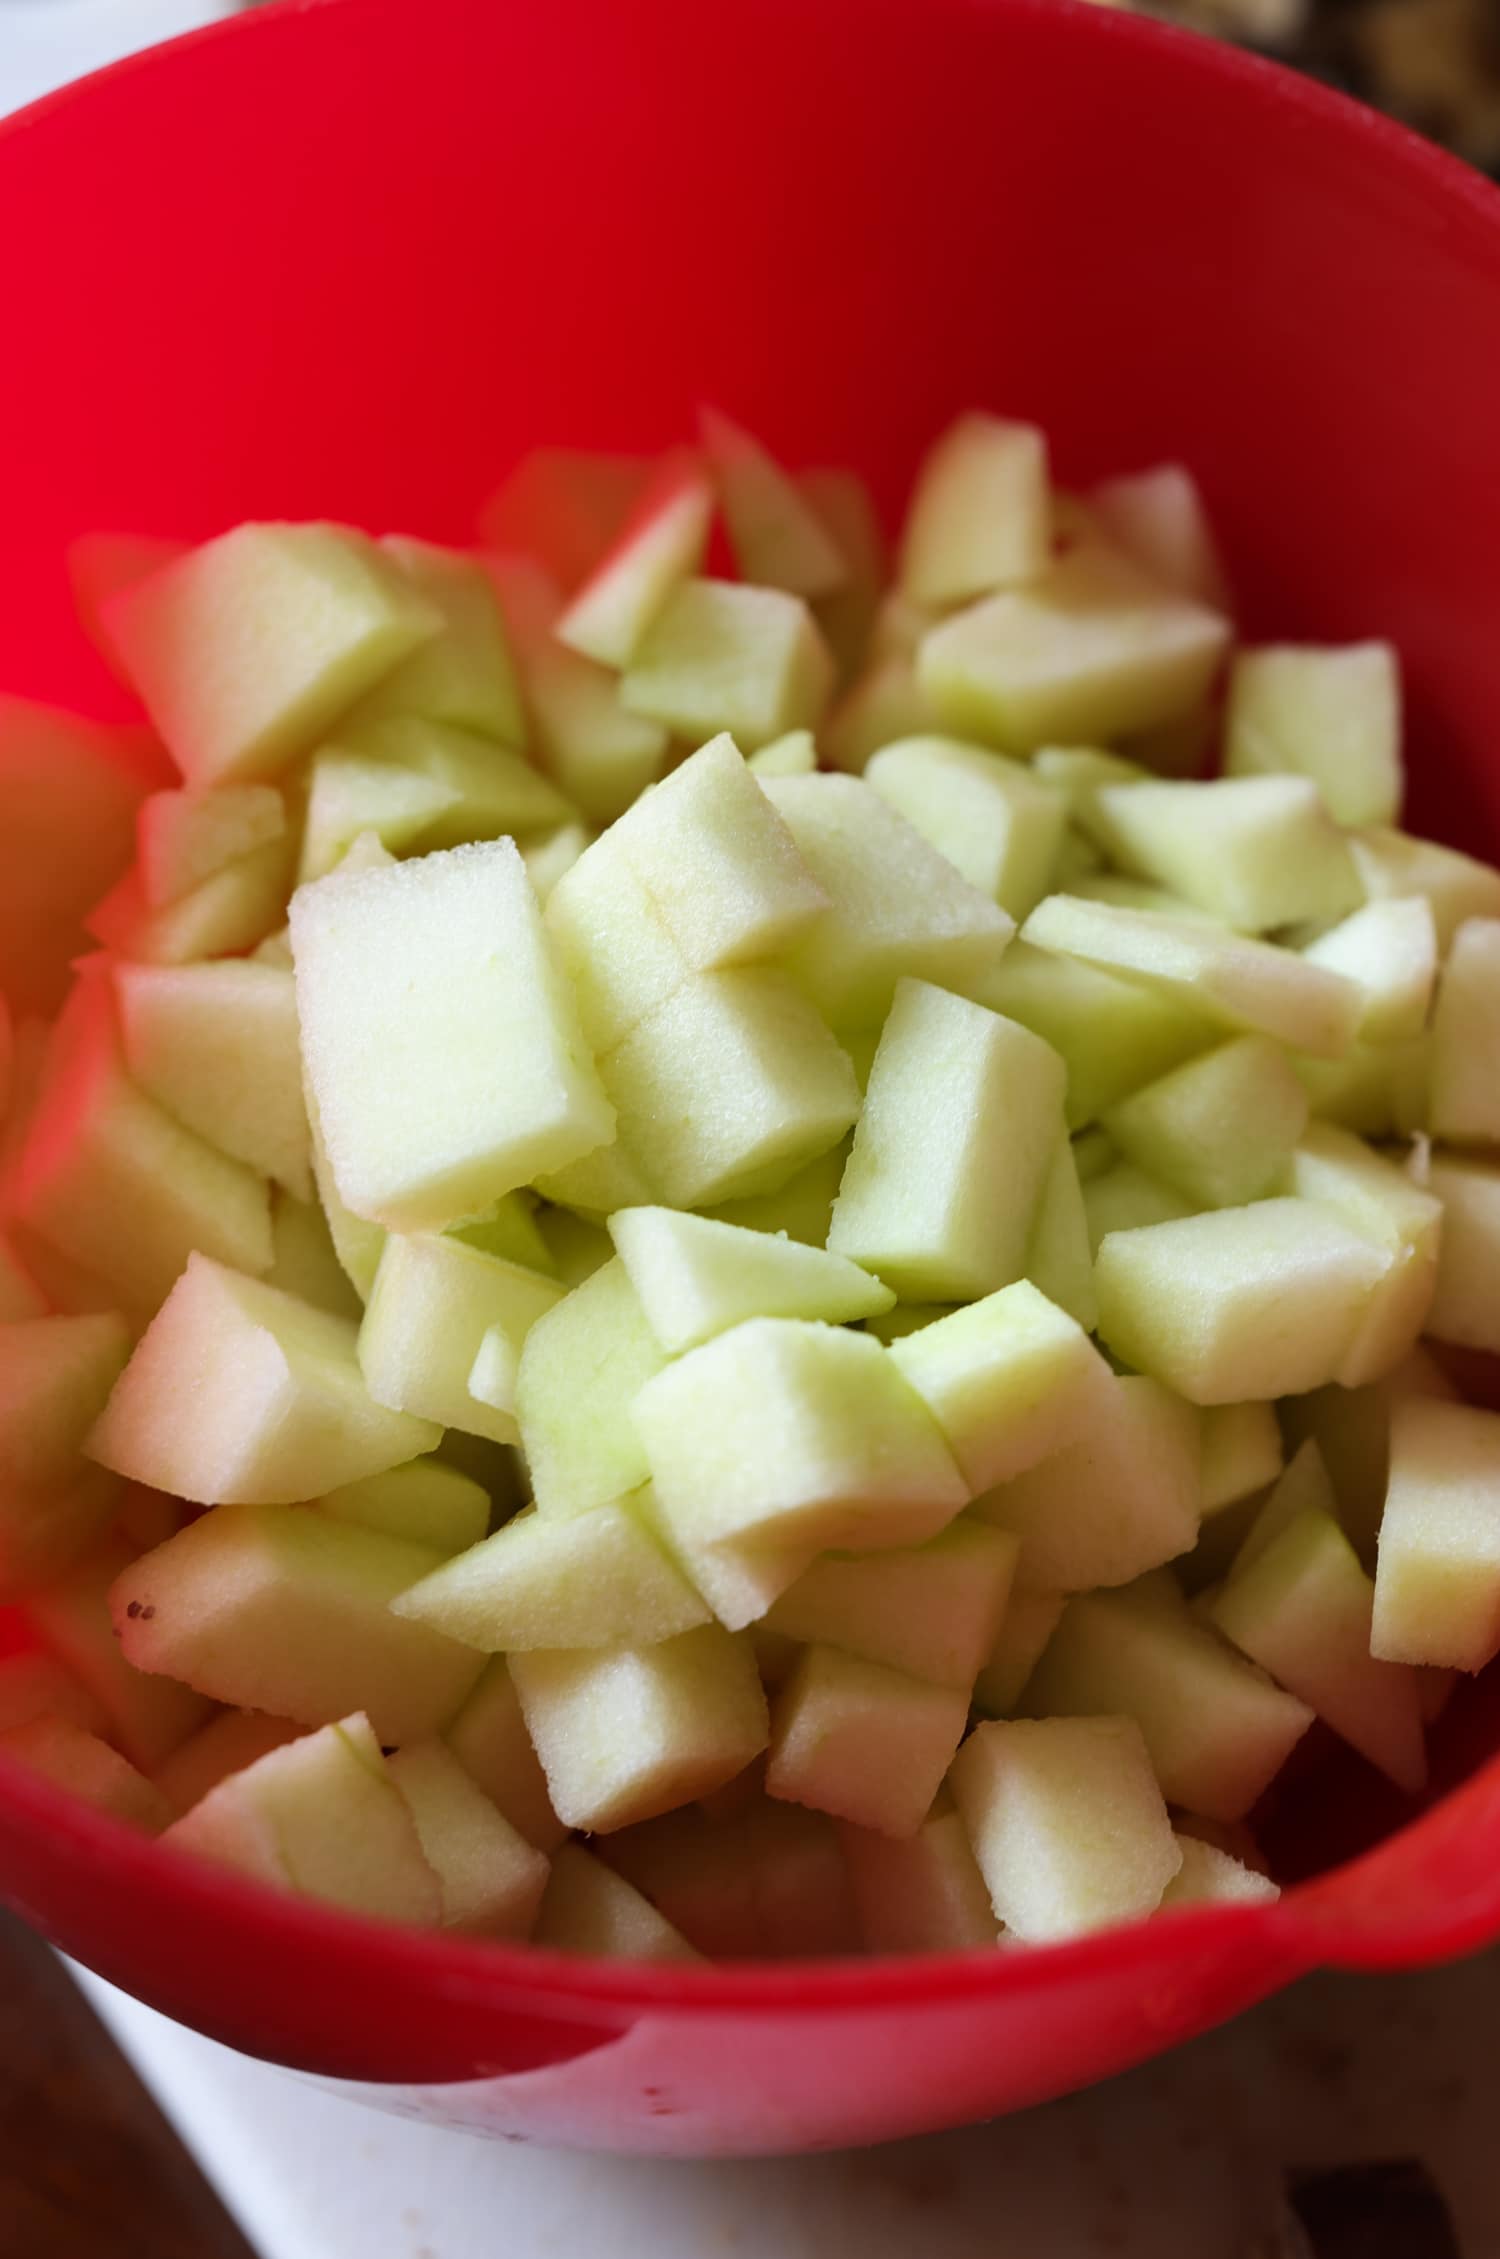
pixel 346 258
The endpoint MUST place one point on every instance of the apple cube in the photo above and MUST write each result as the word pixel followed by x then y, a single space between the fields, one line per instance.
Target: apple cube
pixel 922 1203
pixel 1378 1089
pixel 1302 1487
pixel 1059 1255
pixel 587 1908
pixel 1067 1823
pixel 802 1207
pixel 1464 1308
pixel 1231 978
pixel 357 1243
pixel 1242 1453
pixel 898 906
pixel 1216 1730
pixel 1120 1499
pixel 739 1580
pixel 932 1611
pixel 1394 867
pixel 245 651
pixel 1211 1876
pixel 72 1758
pixel 1111 1035
pixel 1158 518
pixel 434 1302
pixel 729 1087
pixel 1328 712
pixel 490 1741
pixel 490 1877
pixel 1466 1037
pixel 582 1367
pixel 185 837
pixel 1008 1379
pixel 439 1037
pixel 779 540
pixel 723 656
pixel 696 1277
pixel 1437 1586
pixel 980 517
pixel 1258 852
pixel 783 1432
pixel 270 1608
pixel 304 1261
pixel 1220 1128
pixel 864 1742
pixel 991 819
pixel 148 1717
pixel 351 793
pixel 1389 950
pixel 1242 1302
pixel 1379 1200
pixel 1031 1617
pixel 884 703
pixel 239 1393
pixel 462 674
pixel 234 909
pixel 229 1743
pixel 660 546
pixel 624 1733
pixel 613 943
pixel 477 790
pixel 918 1894
pixel 424 1501
pixel 543 1581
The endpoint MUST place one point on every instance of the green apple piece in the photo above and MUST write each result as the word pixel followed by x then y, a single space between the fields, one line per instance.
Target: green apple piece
pixel 229 1743
pixel 908 1318
pixel 1111 1035
pixel 547 860
pixel 932 1611
pixel 272 1608
pixel 980 516
pixel 624 1733
pixel 304 1261
pixel 1059 1252
pixel 922 1203
pixel 148 1717
pixel 1217 1731
pixel 1381 1201
pixel 1389 950
pixel 1393 866
pixel 245 650
pixel 1121 1499
pixel 55 1377
pixel 739 1581
pixel 802 1207
pixel 185 837
pixel 463 674
pixel 1008 1379
pixel 612 942
pixel 779 540
pixel 581 1367
pixel 729 1087
pixel 1209 1876
pixel 1302 1610
pixel 239 1393
pixel 71 789
pixel 575 1247
pixel 1241 1453
pixel 1328 712
pixel 1465 1099
pixel 217 1045
pixel 349 794
pixel 1302 1487
pixel 564 506
pixel 235 909
pixel 587 1908
pixel 1258 852
pixel 1230 978
pixel 1158 518
pixel 357 1244
pixel 477 789
pixel 491 1878
pixel 34 1685
pixel 1351 1427
pixel 992 820
pixel 110 1182
pixel 696 1277
pixel 882 704
pixel 1377 1089
pixel 72 1758
pixel 490 1741
pixel 1087 650
pixel 1465 1309
pixel 784 1433
pixel 439 1037
pixel 100 564
pixel 898 906
pixel 845 507
pixel 508 1228
pixel 1067 1823
pixel 543 1581
pixel 423 1501
pixel 1131 894
pixel 1219 1129
pixel 794 755
pixel 1031 1617
pixel 1437 1585
pixel 918 1894
pixel 434 1302
pixel 863 1742
pixel 323 1817
pixel 723 656
pixel 661 545
pixel 1262 1301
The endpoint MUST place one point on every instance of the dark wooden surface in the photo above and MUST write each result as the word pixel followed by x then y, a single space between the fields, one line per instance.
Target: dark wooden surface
pixel 89 2168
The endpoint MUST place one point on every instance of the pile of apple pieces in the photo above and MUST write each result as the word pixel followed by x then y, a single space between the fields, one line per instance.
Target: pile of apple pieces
pixel 691 1331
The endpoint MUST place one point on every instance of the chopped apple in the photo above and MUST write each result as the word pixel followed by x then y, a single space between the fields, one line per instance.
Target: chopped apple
pixel 1258 852
pixel 779 540
pixel 236 908
pixel 185 837
pixel 230 1742
pixel 55 1378
pixel 582 1366
pixel 1159 519
pixel 463 674
pixel 980 517
pixel 1437 1585
pixel 490 1741
pixel 1221 1128
pixel 1030 1619
pixel 1393 866
pixel 1328 712
pixel 1380 1201
pixel 491 1879
pixel 587 1908
pixel 1389 949
pixel 862 1741
pixel 1242 1453
pixel 884 703
pixel 1112 1036
pixel 918 1894
pixel 932 1611
pixel 423 1501
pixel 696 1277
pixel 991 818
pixel 565 506
pixel 1465 1100
pixel 723 656
pixel 1211 1876
pixel 434 1302
pixel 148 1717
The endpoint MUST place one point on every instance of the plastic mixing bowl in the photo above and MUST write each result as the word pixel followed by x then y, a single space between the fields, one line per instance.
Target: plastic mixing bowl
pixel 347 258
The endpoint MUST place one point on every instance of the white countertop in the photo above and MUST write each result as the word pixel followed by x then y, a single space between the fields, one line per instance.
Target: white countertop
pixel 44 43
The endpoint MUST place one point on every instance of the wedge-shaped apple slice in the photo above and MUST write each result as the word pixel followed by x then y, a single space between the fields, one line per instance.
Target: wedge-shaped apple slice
pixel 980 517
pixel 72 1758
pixel 1389 950
pixel 787 1433
pixel 933 1611
pixel 550 858
pixel 1437 1586
pixel 696 1277
pixel 1328 712
pixel 1067 1823
pixel 490 1741
pixel 1217 1731
pixel 1258 852
pixel 439 1037
pixel 184 837
pixel 1220 1128
pixel 1302 1609
pixel 349 793
pixel 624 1733
pixel 434 1303
pixel 989 816
pixel 1112 1035
pixel 463 674
pixel 147 1717
pixel 862 1741
pixel 231 1741
pixel 424 1501
pixel 1209 1876
pixel 543 1581
pixel 1242 1453
pixel 723 656
pixel 779 539
pixel 1466 1037
pixel 1379 1200
pixel 918 1894
pixel 582 1366
pixel 740 1581
pixel 613 943
pixel 588 1908
pixel 661 545
pixel 883 703
pixel 490 1877
pixel 236 908
pixel 1158 517
pixel 1031 1617
pixel 1394 866
pixel 1465 1308
pixel 237 1392
pixel 476 789
pixel 1059 1257
pixel 845 507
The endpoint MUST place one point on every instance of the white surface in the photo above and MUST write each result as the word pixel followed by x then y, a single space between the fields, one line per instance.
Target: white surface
pixel 1180 2160
pixel 44 43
